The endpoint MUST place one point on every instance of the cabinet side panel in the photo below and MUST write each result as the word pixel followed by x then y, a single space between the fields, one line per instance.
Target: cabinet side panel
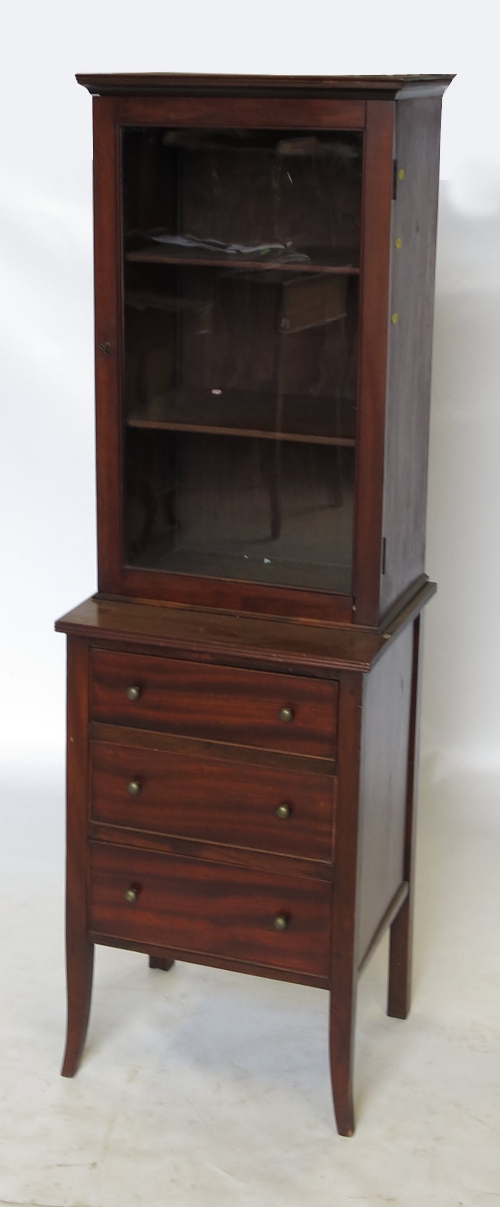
pixel 372 378
pixel 383 785
pixel 410 344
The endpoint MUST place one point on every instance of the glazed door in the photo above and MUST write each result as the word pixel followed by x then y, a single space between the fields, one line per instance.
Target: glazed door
pixel 235 359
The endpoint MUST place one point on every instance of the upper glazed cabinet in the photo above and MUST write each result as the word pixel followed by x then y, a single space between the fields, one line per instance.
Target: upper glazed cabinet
pixel 264 281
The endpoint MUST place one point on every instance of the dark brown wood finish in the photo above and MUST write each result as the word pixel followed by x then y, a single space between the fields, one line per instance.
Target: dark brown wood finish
pixel 387 919
pixel 343 966
pixel 254 113
pixel 79 948
pixel 213 961
pixel 186 411
pixel 222 638
pixel 377 195
pixel 231 596
pixel 213 800
pixel 385 87
pixel 326 262
pixel 400 950
pixel 108 345
pixel 113 576
pixel 189 904
pixel 215 637
pixel 201 825
pixel 208 110
pixel 163 965
pixel 383 785
pixel 196 748
pixel 242 707
pixel 213 852
pixel 413 238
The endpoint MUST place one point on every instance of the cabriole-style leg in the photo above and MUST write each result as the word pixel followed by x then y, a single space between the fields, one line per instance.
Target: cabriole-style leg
pixel 343 969
pixel 400 949
pixel 341 1061
pixel 80 969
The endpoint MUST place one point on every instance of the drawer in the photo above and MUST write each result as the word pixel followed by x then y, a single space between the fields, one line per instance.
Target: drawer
pixel 213 800
pixel 218 703
pixel 191 906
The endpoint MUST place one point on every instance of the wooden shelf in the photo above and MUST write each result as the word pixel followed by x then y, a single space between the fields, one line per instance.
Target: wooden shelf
pixel 327 260
pixel 273 571
pixel 235 413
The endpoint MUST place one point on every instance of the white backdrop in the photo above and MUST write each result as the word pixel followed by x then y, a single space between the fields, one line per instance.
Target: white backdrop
pixel 46 375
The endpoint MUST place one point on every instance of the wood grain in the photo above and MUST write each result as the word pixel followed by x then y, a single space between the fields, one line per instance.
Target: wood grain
pixel 322 261
pixel 343 965
pixel 216 703
pixel 304 419
pixel 260 641
pixel 183 587
pixel 375 255
pixel 79 949
pixel 197 748
pixel 181 584
pixel 212 961
pixel 163 965
pixel 108 335
pixel 213 800
pixel 166 84
pixel 393 909
pixel 213 852
pixel 410 345
pixel 245 113
pixel 192 905
pixel 400 949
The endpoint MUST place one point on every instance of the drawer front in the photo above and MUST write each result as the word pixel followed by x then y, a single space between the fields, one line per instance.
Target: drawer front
pixel 217 703
pixel 189 905
pixel 213 800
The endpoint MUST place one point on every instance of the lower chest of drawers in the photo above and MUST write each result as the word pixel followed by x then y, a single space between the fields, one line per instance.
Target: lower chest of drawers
pixel 247 819
pixel 203 846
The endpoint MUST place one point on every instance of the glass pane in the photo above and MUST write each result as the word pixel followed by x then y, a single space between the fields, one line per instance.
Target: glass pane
pixel 241 269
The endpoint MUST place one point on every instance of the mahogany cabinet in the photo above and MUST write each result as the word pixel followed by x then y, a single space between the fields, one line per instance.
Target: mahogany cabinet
pixel 243 689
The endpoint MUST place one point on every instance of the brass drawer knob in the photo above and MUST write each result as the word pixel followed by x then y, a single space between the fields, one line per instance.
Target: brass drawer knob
pixel 134 787
pixel 283 811
pixel 280 922
pixel 133 693
pixel 131 895
pixel 286 714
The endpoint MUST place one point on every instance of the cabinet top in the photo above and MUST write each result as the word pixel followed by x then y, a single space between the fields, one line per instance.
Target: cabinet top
pixel 378 87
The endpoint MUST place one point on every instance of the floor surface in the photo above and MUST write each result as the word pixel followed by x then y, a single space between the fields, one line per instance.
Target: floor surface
pixel 200 1087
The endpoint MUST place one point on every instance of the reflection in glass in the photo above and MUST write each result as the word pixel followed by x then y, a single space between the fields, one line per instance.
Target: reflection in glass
pixel 241 262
